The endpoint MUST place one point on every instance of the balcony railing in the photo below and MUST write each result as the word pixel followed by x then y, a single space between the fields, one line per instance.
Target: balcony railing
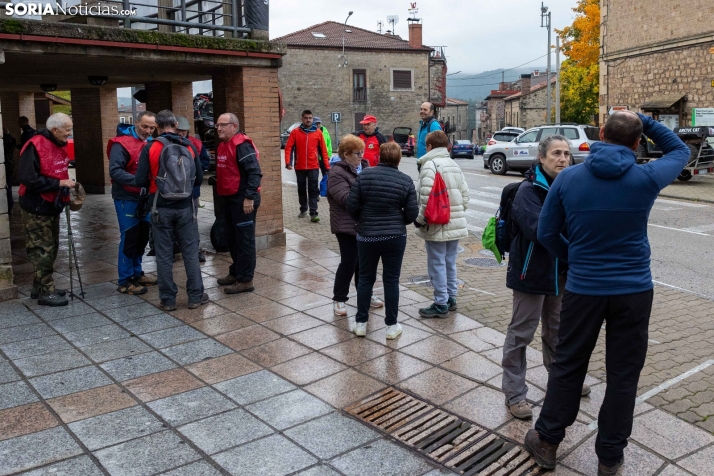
pixel 359 94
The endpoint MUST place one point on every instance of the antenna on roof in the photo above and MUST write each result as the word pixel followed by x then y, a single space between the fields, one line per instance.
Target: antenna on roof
pixel 380 23
pixel 393 19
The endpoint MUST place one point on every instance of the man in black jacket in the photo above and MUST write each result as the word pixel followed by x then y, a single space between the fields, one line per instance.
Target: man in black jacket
pixel 535 276
pixel 238 178
pixel 175 217
pixel 8 145
pixel 27 131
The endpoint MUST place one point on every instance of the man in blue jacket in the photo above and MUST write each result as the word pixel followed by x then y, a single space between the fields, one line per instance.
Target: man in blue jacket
pixel 427 124
pixel 605 204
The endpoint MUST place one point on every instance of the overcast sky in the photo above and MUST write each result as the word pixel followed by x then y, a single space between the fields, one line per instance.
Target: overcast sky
pixel 480 35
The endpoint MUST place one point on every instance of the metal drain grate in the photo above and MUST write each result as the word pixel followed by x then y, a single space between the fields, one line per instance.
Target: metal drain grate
pixel 424 280
pixel 457 444
pixel 484 262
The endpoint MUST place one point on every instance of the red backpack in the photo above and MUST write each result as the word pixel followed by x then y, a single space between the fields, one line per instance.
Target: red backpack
pixel 438 208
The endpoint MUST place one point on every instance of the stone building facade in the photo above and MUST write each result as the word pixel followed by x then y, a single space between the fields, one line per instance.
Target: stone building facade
pixel 456 113
pixel 664 66
pixel 528 109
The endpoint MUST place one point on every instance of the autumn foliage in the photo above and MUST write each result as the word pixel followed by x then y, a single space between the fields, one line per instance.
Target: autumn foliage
pixel 580 71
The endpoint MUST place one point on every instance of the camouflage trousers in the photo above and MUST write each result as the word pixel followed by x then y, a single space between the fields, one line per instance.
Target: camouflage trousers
pixel 42 243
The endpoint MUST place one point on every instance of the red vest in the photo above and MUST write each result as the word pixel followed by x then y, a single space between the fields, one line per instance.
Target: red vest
pixel 227 172
pixel 196 143
pixel 53 162
pixel 371 149
pixel 133 146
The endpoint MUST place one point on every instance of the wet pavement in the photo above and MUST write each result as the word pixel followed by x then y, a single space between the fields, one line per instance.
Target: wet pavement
pixel 258 383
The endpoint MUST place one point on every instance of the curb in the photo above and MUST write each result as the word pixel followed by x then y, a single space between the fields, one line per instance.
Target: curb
pixel 704 200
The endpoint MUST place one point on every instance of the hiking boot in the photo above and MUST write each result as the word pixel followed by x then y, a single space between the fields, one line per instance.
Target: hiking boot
pixel 451 303
pixel 315 219
pixel 520 410
pixel 144 280
pixel 585 390
pixel 543 452
pixel 196 305
pixel 52 300
pixel 35 293
pixel 168 307
pixel 375 302
pixel 604 470
pixel 201 257
pixel 227 281
pixel 130 287
pixel 302 214
pixel 434 310
pixel 394 331
pixel 240 288
pixel 339 308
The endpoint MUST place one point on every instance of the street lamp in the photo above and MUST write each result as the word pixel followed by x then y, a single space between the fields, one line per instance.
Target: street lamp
pixel 545 23
pixel 344 64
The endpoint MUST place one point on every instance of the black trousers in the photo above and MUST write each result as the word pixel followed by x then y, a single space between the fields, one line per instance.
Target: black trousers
pixel 391 252
pixel 308 185
pixel 627 318
pixel 240 230
pixel 349 266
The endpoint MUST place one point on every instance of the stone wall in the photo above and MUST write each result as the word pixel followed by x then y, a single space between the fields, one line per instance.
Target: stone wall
pixel 532 108
pixel 311 79
pixel 7 289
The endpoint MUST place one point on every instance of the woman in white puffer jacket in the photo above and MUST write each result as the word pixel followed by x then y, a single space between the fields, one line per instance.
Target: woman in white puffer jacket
pixel 442 241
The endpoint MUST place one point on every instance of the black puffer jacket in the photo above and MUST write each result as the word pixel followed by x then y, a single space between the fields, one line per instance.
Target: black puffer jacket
pixel 383 201
pixel 531 269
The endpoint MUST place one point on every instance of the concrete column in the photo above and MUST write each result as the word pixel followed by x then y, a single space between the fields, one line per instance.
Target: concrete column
pixel 252 95
pixel 174 95
pixel 7 289
pixel 95 115
pixel 15 105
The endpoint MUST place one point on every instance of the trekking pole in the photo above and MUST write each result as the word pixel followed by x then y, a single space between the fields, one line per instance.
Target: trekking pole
pixel 69 257
pixel 76 263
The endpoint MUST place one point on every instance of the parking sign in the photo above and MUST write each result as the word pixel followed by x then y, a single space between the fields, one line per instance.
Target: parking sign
pixel 336 117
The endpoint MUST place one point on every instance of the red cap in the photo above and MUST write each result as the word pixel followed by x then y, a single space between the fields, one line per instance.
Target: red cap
pixel 368 119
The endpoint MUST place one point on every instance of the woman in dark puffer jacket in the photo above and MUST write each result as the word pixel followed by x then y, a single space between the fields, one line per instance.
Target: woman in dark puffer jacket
pixel 383 201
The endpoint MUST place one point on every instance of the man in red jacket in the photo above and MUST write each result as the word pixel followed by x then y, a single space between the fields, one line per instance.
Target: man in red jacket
pixel 311 155
pixel 372 139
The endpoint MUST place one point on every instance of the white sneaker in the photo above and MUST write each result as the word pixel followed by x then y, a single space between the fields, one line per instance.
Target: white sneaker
pixel 376 302
pixel 360 329
pixel 339 308
pixel 394 331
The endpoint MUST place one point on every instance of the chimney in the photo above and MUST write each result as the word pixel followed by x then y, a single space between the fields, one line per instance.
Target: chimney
pixel 525 83
pixel 536 73
pixel 414 32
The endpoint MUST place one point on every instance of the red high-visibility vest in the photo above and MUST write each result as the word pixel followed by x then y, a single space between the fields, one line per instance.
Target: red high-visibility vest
pixel 54 162
pixel 227 171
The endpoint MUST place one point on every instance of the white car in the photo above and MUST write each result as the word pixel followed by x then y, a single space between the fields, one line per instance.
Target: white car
pixel 513 129
pixel 500 137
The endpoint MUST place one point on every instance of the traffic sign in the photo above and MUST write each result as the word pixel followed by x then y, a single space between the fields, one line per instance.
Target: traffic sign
pixel 336 117
pixel 614 109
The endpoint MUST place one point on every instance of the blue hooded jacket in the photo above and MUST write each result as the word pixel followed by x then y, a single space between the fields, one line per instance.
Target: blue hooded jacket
pixel 605 204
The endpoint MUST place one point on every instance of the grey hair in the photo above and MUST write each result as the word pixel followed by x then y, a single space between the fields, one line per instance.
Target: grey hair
pixel 56 120
pixel 166 120
pixel 233 118
pixel 142 114
pixel 544 145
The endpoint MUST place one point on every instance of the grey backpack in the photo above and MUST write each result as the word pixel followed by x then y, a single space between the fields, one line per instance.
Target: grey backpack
pixel 177 173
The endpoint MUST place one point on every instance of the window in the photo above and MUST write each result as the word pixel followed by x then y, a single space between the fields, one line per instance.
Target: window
pixel 122 119
pixel 570 133
pixel 529 136
pixel 547 132
pixel 592 133
pixel 402 79
pixel 320 36
pixel 359 85
pixel 358 118
pixel 504 136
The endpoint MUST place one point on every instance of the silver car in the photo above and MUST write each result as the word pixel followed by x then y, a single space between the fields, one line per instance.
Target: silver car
pixel 518 155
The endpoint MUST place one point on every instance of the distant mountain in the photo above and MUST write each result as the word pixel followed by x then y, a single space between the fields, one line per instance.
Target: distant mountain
pixel 475 87
pixel 126 101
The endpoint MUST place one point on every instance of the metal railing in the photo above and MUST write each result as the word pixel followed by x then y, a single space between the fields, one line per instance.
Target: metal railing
pixel 359 94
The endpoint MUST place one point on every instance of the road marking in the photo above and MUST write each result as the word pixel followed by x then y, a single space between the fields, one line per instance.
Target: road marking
pixel 476 214
pixel 291 183
pixel 682 204
pixel 483 194
pixel 682 289
pixel 483 203
pixel 679 229
pixel 475 229
pixel 666 209
pixel 482 291
pixel 497 189
pixel 700 229
pixel 647 395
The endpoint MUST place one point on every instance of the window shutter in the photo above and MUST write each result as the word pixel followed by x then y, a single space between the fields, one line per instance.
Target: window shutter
pixel 402 79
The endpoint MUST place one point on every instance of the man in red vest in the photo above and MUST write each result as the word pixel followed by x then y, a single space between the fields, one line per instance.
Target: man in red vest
pixel 42 172
pixel 123 153
pixel 372 139
pixel 238 178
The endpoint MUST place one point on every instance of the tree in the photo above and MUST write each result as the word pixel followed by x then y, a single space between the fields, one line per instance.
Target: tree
pixel 580 72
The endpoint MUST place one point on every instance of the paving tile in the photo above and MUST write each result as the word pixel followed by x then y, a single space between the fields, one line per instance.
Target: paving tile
pixel 393 367
pixel 254 387
pixel 323 336
pixel 672 470
pixel 320 470
pixel 452 324
pixel 668 435
pixel 437 385
pixel 114 301
pixel 132 312
pixel 36 449
pixel 191 405
pixel 223 368
pixel 326 313
pixel 268 311
pixel 200 468
pixel 289 409
pixel 240 302
pixel 35 346
pixel 162 384
pixel 81 465
pixel 97 335
pixel 225 431
pixel 536 375
pixel 381 457
pixel 637 460
pixel 75 308
pixel 54 362
pixel 78 323
pixel 700 463
pixel 70 381
pixel 25 419
pixel 173 336
pixel 491 336
pixel 90 403
pixel 308 368
pixel 331 435
pixel 305 300
pixel 276 352
pixel 356 351
pixel 115 349
pixel 148 455
pixel 20 333
pixel 222 324
pixel 435 349
pixel 482 405
pixel 409 336
pixel 15 394
pixel 472 341
pixel 247 337
pixel 157 322
pixel 136 366
pixel 473 366
pixel 7 373
pixel 196 351
pixel 271 456
pixel 293 323
pixel 343 388
pixel 116 427
pixel 25 318
pixel 204 312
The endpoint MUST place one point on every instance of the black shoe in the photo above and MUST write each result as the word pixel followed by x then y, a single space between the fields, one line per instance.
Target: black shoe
pixel 52 300
pixel 543 452
pixel 168 307
pixel 604 470
pixel 452 304
pixel 434 310
pixel 201 257
pixel 35 293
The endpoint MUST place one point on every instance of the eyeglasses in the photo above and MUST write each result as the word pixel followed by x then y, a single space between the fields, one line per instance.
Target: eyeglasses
pixel 224 124
pixel 359 154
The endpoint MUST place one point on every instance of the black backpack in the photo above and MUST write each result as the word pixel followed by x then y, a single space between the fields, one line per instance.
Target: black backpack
pixel 506 228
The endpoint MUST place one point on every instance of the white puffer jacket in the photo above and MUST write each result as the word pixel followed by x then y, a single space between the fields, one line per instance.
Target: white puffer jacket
pixel 438 159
